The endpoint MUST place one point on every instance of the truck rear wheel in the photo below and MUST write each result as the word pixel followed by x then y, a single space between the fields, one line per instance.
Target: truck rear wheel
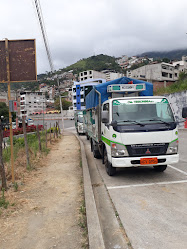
pixel 160 168
pixel 95 150
pixel 111 171
pixel 96 153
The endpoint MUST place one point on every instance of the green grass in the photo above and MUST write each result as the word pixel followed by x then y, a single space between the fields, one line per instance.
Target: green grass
pixel 3 202
pixel 178 86
pixel 18 143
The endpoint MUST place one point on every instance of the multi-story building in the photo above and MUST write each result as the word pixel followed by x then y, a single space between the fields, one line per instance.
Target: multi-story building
pixel 158 72
pixel 91 74
pixel 81 89
pixel 32 102
pixel 181 65
pixel 44 88
pixel 113 76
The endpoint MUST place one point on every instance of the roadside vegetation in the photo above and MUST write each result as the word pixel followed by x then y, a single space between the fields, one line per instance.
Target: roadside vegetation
pixel 179 86
pixel 38 147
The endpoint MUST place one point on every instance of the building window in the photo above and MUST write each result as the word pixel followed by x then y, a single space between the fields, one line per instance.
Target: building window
pixel 170 75
pixel 81 74
pixel 176 75
pixel 85 73
pixel 164 74
pixel 90 72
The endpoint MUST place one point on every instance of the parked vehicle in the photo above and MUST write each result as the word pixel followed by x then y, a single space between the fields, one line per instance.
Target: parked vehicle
pixel 78 117
pixel 129 127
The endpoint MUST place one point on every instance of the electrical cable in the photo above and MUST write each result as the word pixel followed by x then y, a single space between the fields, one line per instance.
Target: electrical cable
pixel 44 34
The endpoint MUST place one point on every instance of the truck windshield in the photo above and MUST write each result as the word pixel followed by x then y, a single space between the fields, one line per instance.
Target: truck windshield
pixel 144 111
pixel 80 119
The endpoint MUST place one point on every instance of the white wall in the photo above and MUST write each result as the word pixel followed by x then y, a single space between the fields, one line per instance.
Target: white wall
pixel 178 101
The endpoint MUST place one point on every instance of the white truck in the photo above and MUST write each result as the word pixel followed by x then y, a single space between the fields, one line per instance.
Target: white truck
pixel 78 117
pixel 134 131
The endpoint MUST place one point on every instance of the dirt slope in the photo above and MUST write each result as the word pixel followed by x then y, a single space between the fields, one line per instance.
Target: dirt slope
pixel 50 214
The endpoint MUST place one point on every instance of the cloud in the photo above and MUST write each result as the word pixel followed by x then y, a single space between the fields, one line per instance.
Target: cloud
pixel 79 29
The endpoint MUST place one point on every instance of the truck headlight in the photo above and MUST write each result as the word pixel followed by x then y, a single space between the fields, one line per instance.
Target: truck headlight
pixel 118 150
pixel 173 147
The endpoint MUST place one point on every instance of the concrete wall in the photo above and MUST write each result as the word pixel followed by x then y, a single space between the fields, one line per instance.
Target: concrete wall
pixel 178 101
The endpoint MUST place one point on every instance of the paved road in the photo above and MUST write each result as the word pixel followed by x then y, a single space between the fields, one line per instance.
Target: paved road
pixel 151 205
pixel 67 123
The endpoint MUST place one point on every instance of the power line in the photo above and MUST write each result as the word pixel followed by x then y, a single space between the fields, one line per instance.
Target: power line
pixel 44 34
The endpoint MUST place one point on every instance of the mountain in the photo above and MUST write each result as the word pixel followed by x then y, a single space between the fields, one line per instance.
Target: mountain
pixel 172 55
pixel 98 63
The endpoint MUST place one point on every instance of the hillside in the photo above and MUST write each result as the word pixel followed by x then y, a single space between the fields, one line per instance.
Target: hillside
pixel 98 63
pixel 172 55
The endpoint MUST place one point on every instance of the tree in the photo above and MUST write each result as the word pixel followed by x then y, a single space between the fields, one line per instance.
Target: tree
pixel 65 104
pixel 166 60
pixel 4 110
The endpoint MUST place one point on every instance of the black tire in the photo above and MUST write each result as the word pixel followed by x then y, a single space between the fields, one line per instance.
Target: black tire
pixel 87 136
pixel 96 153
pixel 111 171
pixel 91 143
pixel 160 168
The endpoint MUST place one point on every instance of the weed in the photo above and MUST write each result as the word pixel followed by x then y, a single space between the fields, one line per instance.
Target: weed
pixel 3 202
pixel 15 186
pixel 116 214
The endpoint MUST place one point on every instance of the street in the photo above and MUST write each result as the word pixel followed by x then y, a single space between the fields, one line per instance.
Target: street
pixel 67 122
pixel 150 205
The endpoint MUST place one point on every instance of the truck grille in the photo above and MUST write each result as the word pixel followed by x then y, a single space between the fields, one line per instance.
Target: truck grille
pixel 147 149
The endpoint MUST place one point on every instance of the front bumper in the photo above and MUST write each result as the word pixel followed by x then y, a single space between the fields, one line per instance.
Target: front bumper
pixel 81 129
pixel 135 161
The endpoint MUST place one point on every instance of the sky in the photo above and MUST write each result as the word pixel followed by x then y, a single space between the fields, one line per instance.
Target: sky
pixel 78 29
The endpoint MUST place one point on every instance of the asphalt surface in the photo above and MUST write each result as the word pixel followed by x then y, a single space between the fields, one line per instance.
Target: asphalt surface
pixel 67 123
pixel 151 205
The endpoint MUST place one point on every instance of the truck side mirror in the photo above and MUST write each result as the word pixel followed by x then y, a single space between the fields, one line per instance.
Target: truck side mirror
pixel 105 117
pixel 184 112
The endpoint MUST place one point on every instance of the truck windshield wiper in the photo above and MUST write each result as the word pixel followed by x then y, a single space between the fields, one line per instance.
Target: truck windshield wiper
pixel 132 121
pixel 155 119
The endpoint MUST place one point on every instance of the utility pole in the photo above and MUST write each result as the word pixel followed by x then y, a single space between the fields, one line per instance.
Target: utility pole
pixel 60 105
pixel 10 114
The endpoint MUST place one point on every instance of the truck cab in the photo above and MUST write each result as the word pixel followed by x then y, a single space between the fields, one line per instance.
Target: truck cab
pixel 139 131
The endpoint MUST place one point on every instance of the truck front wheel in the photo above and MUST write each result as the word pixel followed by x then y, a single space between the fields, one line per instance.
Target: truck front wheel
pixel 111 171
pixel 160 168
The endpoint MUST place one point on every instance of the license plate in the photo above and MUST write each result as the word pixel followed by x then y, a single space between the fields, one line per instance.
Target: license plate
pixel 144 161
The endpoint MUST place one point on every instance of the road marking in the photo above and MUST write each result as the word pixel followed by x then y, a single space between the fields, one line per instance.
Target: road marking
pixel 146 184
pixel 179 170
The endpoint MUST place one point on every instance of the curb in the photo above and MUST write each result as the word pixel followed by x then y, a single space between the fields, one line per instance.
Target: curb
pixel 94 229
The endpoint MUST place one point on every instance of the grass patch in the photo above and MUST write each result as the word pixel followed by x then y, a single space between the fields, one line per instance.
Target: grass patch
pixel 178 86
pixel 3 202
pixel 19 144
pixel 82 217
